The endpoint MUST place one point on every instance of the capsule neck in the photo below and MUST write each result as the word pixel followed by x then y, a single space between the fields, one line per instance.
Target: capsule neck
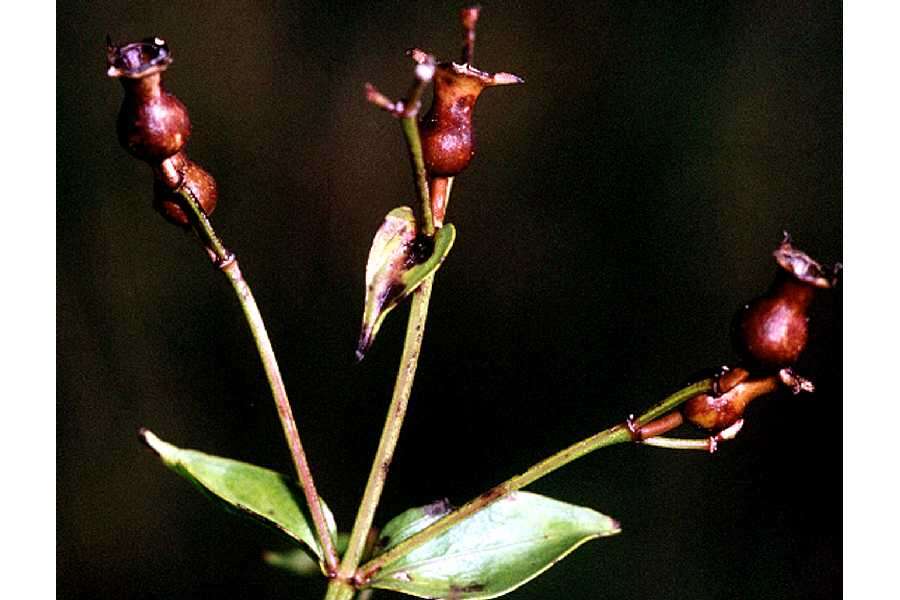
pixel 796 292
pixel 144 88
pixel 455 92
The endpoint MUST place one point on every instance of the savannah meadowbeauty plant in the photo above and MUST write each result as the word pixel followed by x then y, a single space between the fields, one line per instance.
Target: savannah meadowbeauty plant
pixel 504 537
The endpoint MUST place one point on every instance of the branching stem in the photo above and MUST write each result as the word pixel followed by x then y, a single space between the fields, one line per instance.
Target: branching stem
pixel 614 435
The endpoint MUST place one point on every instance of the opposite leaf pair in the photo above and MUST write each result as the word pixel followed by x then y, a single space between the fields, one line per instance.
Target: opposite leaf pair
pixel 488 554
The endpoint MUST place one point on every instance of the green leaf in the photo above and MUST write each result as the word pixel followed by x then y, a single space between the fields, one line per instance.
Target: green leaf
pixel 399 261
pixel 409 522
pixel 493 551
pixel 266 496
pixel 298 561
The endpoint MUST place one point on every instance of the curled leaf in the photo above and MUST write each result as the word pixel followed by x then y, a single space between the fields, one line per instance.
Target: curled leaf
pixel 264 495
pixel 399 261
pixel 492 552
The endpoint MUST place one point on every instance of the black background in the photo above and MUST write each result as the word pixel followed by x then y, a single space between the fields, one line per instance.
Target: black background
pixel 622 204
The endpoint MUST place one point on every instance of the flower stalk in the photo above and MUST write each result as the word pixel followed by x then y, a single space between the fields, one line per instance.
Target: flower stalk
pixel 426 142
pixel 154 126
pixel 227 262
pixel 407 111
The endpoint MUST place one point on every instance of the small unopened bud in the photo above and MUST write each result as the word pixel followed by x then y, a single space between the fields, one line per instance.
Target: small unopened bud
pixel 192 179
pixel 733 391
pixel 725 407
pixel 469 17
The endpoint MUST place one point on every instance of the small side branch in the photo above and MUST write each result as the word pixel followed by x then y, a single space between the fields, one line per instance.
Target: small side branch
pixel 408 106
pixel 407 110
pixel 710 444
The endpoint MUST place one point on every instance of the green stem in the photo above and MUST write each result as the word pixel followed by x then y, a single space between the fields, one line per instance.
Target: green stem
pixel 412 345
pixel 704 445
pixel 614 435
pixel 415 330
pixel 414 145
pixel 339 590
pixel 228 264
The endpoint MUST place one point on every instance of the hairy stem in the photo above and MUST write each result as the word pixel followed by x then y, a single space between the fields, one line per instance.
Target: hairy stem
pixel 614 435
pixel 228 264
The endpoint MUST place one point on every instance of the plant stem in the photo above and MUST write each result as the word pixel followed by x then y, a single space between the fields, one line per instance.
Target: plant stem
pixel 614 435
pixel 705 444
pixel 407 110
pixel 414 144
pixel 710 444
pixel 339 590
pixel 439 188
pixel 415 330
pixel 412 345
pixel 228 264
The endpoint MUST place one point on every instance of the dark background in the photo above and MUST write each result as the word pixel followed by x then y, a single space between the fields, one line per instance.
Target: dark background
pixel 622 204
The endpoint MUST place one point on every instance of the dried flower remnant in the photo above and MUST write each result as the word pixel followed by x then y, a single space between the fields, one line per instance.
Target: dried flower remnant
pixel 772 331
pixel 152 124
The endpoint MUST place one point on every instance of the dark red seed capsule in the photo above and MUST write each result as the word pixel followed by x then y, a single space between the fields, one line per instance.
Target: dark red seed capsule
pixel 772 331
pixel 448 139
pixel 152 124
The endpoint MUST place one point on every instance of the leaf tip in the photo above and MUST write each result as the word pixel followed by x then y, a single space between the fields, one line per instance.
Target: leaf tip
pixel 364 343
pixel 163 450
pixel 616 526
pixel 148 438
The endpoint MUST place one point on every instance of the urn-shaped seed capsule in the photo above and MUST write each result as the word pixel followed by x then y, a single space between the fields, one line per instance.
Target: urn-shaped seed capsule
pixel 152 124
pixel 448 139
pixel 772 331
